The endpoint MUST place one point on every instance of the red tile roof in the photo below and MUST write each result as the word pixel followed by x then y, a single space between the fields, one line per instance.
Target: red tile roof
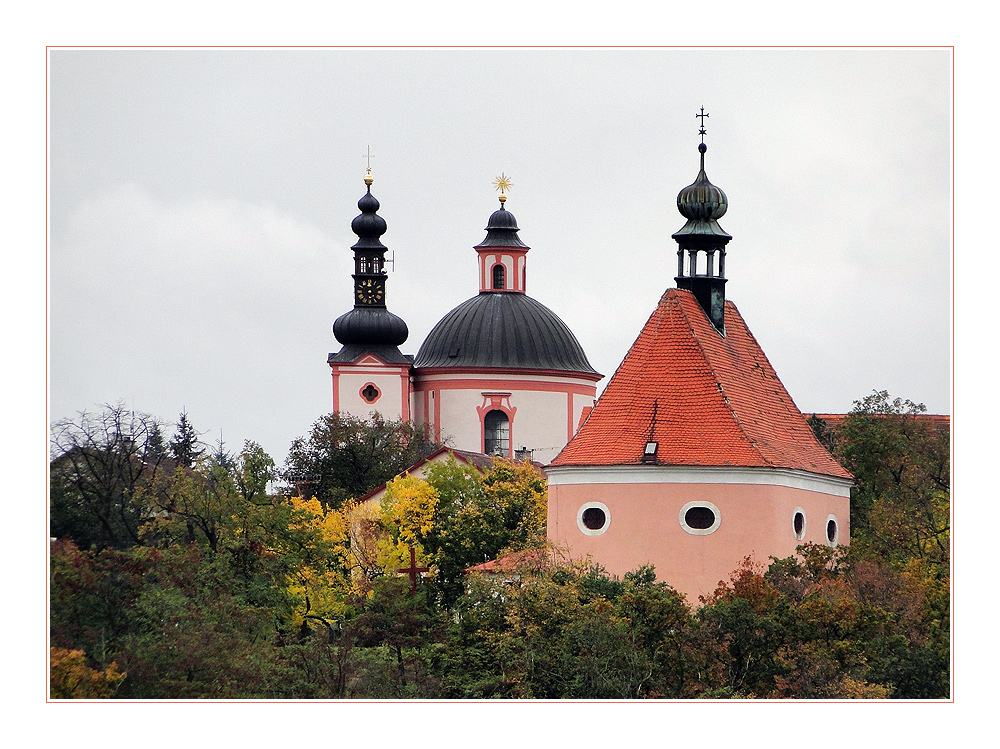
pixel 940 423
pixel 717 401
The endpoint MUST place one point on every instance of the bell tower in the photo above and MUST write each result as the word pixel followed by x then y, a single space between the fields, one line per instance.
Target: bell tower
pixel 703 241
pixel 370 374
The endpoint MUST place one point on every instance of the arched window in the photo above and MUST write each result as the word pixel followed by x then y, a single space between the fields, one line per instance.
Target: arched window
pixel 499 277
pixel 497 433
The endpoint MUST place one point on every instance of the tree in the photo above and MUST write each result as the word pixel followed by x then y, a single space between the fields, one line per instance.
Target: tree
pixel 344 457
pixel 900 504
pixel 99 463
pixel 72 679
pixel 481 516
pixel 186 446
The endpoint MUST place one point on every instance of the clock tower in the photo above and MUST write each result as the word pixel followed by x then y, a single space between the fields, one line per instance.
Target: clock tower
pixel 369 372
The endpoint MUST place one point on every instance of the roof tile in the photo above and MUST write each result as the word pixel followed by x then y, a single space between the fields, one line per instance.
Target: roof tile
pixel 707 400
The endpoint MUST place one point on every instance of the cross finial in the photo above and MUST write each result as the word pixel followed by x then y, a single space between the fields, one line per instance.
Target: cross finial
pixel 368 171
pixel 701 129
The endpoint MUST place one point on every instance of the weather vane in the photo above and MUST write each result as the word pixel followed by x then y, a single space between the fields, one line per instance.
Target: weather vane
pixel 503 184
pixel 702 130
pixel 368 159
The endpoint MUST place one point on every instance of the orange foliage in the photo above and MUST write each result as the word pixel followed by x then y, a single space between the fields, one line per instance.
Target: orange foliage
pixel 72 679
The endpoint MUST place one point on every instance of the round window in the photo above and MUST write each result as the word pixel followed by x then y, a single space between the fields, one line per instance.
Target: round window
pixel 832 530
pixel 699 518
pixel 799 523
pixel 593 518
pixel 370 393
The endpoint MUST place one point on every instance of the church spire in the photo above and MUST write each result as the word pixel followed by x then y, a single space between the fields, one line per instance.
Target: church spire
pixel 369 323
pixel 702 204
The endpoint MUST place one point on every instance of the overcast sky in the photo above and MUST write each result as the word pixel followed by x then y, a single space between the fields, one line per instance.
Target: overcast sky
pixel 201 201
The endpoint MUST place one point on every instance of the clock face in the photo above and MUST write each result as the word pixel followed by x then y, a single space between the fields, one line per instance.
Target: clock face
pixel 369 291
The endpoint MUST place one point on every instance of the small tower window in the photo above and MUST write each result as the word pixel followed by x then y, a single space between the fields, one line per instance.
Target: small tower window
pixel 499 277
pixel 496 427
pixel 370 393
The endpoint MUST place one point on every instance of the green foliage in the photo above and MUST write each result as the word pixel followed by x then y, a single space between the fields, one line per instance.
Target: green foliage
pixel 480 516
pixel 100 464
pixel 345 457
pixel 196 583
pixel 186 446
pixel 900 502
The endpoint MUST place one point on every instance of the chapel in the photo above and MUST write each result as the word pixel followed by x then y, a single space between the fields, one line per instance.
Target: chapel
pixel 500 374
pixel 695 455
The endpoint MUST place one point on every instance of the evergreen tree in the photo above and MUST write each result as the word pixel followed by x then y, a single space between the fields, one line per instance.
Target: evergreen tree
pixel 186 446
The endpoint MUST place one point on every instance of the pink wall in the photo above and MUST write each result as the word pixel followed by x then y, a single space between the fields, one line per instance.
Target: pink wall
pixel 644 527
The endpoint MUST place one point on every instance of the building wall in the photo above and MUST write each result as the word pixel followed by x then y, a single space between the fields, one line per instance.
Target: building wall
pixel 392 382
pixel 544 410
pixel 755 509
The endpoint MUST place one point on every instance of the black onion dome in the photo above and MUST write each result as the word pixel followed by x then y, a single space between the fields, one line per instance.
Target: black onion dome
pixel 369 226
pixel 501 230
pixel 503 331
pixel 702 204
pixel 374 326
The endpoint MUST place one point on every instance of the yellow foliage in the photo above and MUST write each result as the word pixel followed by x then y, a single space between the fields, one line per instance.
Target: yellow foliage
pixel 406 515
pixel 72 679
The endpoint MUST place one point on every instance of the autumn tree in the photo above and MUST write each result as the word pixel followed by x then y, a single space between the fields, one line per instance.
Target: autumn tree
pixel 900 502
pixel 345 457
pixel 482 515
pixel 72 679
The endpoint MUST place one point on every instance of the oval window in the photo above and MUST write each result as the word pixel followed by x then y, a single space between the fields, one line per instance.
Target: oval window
pixel 799 523
pixel 832 530
pixel 593 518
pixel 700 518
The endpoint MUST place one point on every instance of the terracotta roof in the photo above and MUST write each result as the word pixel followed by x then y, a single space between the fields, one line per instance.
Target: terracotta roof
pixel 518 561
pixel 476 460
pixel 937 422
pixel 707 400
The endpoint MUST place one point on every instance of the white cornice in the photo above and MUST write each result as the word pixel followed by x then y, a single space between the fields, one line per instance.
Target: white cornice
pixel 794 479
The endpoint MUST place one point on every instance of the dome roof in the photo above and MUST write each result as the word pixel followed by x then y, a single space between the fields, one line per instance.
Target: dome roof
pixel 702 204
pixel 370 325
pixel 369 226
pixel 501 230
pixel 502 330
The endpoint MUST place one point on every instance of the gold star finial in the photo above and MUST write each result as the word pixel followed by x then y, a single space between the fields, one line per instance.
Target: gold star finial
pixel 503 184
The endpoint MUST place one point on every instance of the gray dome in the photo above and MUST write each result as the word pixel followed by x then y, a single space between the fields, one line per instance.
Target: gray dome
pixel 376 326
pixel 503 330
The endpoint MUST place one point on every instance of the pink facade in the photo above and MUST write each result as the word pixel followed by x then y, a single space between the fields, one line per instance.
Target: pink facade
pixel 371 385
pixel 543 409
pixel 755 513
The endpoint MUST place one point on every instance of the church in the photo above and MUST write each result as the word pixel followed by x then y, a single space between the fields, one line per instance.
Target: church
pixel 500 374
pixel 694 456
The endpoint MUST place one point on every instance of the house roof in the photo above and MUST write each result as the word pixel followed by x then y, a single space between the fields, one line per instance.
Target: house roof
pixel 938 422
pixel 476 460
pixel 528 559
pixel 704 398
